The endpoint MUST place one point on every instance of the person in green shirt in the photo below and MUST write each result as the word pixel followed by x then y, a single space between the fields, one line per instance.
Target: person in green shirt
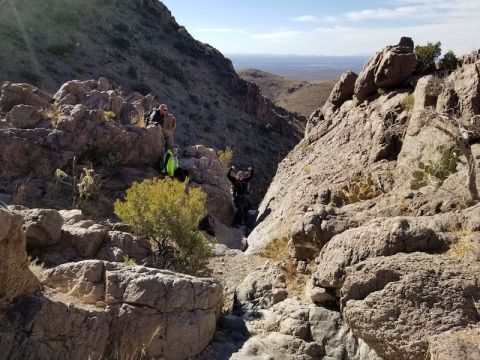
pixel 171 165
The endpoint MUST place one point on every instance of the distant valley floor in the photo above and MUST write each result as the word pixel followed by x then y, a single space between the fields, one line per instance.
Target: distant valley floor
pixel 298 96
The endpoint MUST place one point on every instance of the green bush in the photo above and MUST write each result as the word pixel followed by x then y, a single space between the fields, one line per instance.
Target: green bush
pixel 225 156
pixel 426 56
pixel 449 61
pixel 168 214
pixel 142 88
pixel 121 43
pixel 60 49
pixel 436 172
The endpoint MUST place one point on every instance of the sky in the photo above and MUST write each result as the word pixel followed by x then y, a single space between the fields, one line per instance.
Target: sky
pixel 321 27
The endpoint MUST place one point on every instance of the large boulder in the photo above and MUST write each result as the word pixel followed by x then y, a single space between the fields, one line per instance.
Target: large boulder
pixel 415 295
pixel 262 288
pixel 453 345
pixel 396 66
pixel 43 227
pixel 379 237
pixel 17 94
pixel 388 68
pixel 15 276
pixel 24 117
pixel 85 238
pixel 172 316
pixel 344 89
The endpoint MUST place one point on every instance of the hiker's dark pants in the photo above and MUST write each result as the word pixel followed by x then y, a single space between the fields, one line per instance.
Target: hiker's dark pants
pixel 181 174
pixel 242 204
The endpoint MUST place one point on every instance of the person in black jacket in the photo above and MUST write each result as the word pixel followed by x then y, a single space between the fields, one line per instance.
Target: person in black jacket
pixel 241 194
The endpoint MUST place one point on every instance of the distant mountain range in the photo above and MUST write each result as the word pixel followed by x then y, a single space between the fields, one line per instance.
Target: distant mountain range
pixel 299 67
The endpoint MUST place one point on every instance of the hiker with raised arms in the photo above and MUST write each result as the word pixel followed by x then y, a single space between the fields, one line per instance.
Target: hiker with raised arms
pixel 241 194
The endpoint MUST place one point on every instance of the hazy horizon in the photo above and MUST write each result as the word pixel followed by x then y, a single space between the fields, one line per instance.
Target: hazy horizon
pixel 299 67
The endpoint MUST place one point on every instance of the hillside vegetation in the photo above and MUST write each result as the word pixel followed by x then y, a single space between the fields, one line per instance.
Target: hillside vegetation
pixel 139 46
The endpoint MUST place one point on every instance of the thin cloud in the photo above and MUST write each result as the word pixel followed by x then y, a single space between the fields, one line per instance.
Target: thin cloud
pixel 313 18
pixel 306 18
pixel 380 13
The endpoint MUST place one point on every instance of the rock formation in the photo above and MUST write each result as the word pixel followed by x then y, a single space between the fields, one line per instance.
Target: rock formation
pixel 91 308
pixel 400 262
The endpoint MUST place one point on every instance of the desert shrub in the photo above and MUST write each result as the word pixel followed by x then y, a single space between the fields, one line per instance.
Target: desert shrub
pixel 408 103
pixel 435 172
pixel 122 27
pixel 167 213
pixel 142 88
pixel 194 99
pixel 121 43
pixel 109 115
pixel 31 77
pixel 37 269
pixel 61 49
pixel 449 61
pixel 464 245
pixel 132 72
pixel 426 56
pixel 128 261
pixel 381 91
pixel 212 117
pixel 359 188
pixel 303 145
pixel 112 159
pixel 225 156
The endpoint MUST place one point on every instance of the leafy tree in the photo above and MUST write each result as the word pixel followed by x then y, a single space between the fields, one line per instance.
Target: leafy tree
pixel 449 61
pixel 426 56
pixel 167 213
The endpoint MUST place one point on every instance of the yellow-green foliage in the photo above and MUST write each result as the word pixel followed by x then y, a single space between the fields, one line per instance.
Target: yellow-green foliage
pixel 359 188
pixel 408 103
pixel 129 261
pixel 225 156
pixel 381 91
pixel 109 115
pixel 167 213
pixel 435 172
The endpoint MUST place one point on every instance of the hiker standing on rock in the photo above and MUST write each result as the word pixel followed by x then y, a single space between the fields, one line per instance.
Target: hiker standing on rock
pixel 171 166
pixel 241 194
pixel 161 116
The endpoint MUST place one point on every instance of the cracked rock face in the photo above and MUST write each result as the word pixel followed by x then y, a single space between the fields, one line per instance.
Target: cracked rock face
pixel 168 315
pixel 396 303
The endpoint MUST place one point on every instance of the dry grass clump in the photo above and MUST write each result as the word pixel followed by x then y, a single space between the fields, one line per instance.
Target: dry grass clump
pixel 52 114
pixel 37 269
pixel 13 280
pixel 466 245
pixel 280 252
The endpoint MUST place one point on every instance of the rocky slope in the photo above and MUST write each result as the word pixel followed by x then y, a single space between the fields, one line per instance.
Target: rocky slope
pixel 301 97
pixel 397 259
pixel 139 46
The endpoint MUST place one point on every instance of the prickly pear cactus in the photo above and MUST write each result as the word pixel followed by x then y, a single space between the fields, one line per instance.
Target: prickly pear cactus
pixel 359 188
pixel 436 172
